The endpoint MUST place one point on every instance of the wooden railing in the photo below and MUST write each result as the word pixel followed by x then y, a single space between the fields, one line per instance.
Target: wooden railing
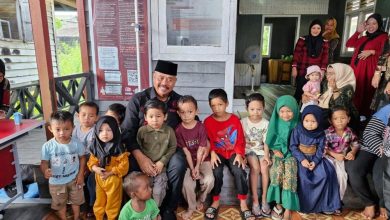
pixel 71 90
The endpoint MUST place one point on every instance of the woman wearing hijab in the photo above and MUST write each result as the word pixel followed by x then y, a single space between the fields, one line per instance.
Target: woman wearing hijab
pixel 318 189
pixel 311 49
pixel 4 91
pixel 368 160
pixel 368 48
pixel 330 34
pixel 110 163
pixel 338 90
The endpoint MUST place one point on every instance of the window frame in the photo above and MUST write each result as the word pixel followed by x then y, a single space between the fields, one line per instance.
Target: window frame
pixel 23 24
pixel 269 41
pixel 361 14
pixel 164 48
pixel 2 31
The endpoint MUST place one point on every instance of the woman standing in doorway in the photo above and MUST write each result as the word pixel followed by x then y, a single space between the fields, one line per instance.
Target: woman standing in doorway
pixel 330 34
pixel 368 48
pixel 311 49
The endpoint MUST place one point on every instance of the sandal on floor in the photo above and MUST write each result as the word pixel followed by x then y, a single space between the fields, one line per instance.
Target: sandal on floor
pixel 256 211
pixel 265 210
pixel 277 214
pixel 247 214
pixel 211 211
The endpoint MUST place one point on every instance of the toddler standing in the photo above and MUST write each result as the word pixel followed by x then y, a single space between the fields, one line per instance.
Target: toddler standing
pixel 110 163
pixel 66 157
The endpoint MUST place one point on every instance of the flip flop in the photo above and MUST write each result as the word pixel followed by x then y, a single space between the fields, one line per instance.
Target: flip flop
pixel 246 214
pixel 211 211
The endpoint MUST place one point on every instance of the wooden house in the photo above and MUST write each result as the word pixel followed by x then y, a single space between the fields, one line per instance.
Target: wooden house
pixel 17 43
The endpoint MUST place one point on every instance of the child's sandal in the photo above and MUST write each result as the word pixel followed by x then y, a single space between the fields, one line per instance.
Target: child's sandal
pixel 211 211
pixel 277 214
pixel 266 210
pixel 256 211
pixel 247 214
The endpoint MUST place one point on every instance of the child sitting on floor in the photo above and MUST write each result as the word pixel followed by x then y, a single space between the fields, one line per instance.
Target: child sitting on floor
pixel 141 205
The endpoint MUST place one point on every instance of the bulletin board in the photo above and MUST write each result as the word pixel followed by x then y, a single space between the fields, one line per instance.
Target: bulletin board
pixel 114 42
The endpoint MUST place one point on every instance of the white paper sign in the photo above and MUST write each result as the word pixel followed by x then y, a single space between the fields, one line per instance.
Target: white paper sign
pixel 108 58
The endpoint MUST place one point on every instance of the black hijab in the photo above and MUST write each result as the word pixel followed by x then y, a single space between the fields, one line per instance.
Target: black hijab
pixel 317 112
pixel 104 151
pixel 314 43
pixel 371 36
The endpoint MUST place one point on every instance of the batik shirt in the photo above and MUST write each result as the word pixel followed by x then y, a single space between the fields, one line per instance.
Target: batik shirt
pixel 340 144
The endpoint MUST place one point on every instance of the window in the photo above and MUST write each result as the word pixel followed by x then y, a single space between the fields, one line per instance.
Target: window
pixel 356 11
pixel 5 29
pixel 15 21
pixel 266 44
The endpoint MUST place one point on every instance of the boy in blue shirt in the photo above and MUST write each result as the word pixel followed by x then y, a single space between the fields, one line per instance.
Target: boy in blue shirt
pixel 63 163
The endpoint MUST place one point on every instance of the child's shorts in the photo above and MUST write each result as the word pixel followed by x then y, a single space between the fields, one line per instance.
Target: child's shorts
pixel 253 154
pixel 63 193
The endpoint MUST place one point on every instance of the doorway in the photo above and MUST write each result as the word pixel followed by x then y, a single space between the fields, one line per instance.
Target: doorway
pixel 278 38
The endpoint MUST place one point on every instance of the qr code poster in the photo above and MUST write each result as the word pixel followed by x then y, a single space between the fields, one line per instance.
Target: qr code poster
pixel 132 78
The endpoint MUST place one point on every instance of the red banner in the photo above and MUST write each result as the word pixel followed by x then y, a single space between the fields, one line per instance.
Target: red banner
pixel 115 48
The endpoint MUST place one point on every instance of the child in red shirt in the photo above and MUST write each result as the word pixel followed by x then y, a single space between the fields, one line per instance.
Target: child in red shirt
pixel 227 144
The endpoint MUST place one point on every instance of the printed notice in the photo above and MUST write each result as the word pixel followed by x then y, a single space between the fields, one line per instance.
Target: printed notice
pixel 112 76
pixel 108 58
pixel 132 78
pixel 113 89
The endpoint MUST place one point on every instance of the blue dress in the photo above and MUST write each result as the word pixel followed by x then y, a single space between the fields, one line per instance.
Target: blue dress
pixel 318 190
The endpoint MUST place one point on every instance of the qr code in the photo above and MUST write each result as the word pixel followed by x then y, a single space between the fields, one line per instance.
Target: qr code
pixel 132 78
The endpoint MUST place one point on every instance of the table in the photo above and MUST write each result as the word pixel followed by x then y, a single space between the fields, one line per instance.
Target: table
pixel 9 159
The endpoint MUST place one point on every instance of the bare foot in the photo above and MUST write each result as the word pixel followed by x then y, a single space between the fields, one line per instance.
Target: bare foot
pixel 383 213
pixel 187 214
pixel 199 206
pixel 369 212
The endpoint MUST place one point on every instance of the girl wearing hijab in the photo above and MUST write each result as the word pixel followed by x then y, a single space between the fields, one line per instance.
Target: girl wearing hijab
pixel 338 90
pixel 110 163
pixel 367 49
pixel 4 91
pixel 330 34
pixel 318 188
pixel 311 49
pixel 283 173
pixel 370 160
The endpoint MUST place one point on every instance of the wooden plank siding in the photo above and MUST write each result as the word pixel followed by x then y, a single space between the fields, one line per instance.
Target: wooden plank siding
pixel 197 79
pixel 21 66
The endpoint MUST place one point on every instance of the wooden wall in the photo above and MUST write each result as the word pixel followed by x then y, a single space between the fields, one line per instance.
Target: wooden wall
pixel 198 79
pixel 19 56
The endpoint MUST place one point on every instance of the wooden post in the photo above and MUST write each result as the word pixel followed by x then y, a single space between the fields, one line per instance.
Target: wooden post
pixel 83 41
pixel 44 62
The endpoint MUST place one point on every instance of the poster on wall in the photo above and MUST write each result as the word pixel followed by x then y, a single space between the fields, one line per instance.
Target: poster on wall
pixel 115 48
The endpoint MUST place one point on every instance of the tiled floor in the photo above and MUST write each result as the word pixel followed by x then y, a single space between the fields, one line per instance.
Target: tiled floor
pixel 232 213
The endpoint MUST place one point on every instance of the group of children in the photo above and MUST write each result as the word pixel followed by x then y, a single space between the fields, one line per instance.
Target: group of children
pixel 300 162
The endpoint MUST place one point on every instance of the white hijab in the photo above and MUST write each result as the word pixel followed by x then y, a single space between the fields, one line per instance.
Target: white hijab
pixel 344 76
